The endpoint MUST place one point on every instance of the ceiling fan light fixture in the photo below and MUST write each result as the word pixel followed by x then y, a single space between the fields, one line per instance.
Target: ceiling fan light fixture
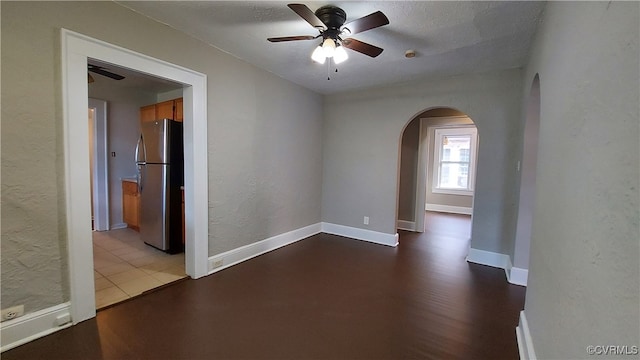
pixel 329 47
pixel 340 55
pixel 318 55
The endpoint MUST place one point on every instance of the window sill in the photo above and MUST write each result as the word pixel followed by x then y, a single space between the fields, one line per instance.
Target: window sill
pixel 452 192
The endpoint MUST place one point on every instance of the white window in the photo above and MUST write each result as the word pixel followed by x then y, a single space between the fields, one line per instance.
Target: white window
pixel 454 160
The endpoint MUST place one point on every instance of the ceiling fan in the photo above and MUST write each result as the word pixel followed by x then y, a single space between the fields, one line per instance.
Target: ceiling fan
pixel 330 22
pixel 102 71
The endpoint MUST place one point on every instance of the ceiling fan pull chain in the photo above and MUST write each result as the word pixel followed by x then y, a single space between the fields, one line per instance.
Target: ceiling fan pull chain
pixel 329 69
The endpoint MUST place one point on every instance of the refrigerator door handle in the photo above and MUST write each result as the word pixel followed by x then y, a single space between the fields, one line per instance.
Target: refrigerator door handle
pixel 141 161
pixel 140 150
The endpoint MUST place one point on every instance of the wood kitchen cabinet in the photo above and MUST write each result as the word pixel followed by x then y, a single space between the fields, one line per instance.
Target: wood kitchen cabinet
pixel 171 109
pixel 148 113
pixel 131 205
pixel 166 110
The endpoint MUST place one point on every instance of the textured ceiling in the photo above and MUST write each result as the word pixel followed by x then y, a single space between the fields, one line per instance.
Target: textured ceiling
pixel 449 37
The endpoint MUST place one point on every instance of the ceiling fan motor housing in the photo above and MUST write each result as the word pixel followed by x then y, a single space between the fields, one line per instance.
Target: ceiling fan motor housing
pixel 332 16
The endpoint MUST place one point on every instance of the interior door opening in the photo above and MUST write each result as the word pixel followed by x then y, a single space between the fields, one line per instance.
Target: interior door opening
pixel 438 152
pixel 76 50
pixel 124 265
pixel 98 162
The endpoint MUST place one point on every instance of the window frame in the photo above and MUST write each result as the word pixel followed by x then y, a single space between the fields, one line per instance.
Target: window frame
pixel 439 134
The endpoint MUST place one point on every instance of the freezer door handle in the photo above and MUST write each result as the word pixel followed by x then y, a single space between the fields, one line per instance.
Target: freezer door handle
pixel 141 151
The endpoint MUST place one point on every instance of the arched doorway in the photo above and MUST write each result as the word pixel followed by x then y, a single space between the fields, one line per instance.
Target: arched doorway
pixel 438 152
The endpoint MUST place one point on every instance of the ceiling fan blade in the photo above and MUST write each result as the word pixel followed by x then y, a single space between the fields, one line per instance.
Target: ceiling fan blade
pixel 308 15
pixel 103 72
pixel 368 22
pixel 362 47
pixel 291 38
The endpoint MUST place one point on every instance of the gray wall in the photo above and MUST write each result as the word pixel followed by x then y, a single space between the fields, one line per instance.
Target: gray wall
pixel 123 119
pixel 527 184
pixel 362 134
pixel 584 270
pixel 168 95
pixel 264 135
pixel 408 171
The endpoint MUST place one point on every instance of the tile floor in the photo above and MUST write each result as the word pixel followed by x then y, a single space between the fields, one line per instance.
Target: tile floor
pixel 124 266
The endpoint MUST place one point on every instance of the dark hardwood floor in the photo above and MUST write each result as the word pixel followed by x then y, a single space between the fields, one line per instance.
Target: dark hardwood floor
pixel 326 297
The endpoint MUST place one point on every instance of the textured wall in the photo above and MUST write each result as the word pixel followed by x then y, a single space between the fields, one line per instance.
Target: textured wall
pixel 583 272
pixel 362 131
pixel 265 160
pixel 527 185
pixel 265 166
pixel 33 247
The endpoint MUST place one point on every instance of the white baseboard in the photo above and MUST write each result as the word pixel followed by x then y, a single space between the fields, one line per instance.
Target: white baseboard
pixel 489 258
pixel 449 209
pixel 525 343
pixel 118 226
pixel 34 325
pixel 406 225
pixel 361 234
pixel 238 255
pixel 518 276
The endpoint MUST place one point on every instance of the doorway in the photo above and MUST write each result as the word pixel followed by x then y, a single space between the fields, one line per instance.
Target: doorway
pixel 76 49
pixel 124 266
pixel 437 168
pixel 99 175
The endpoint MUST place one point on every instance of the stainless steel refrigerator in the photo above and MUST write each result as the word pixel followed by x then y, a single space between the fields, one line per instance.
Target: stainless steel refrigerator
pixel 159 159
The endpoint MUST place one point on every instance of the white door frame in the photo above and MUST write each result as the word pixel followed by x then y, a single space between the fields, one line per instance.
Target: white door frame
pixel 75 50
pixel 100 166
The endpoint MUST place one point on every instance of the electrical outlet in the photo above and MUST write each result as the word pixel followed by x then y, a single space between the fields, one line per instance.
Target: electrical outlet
pixel 12 312
pixel 217 263
pixel 366 220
